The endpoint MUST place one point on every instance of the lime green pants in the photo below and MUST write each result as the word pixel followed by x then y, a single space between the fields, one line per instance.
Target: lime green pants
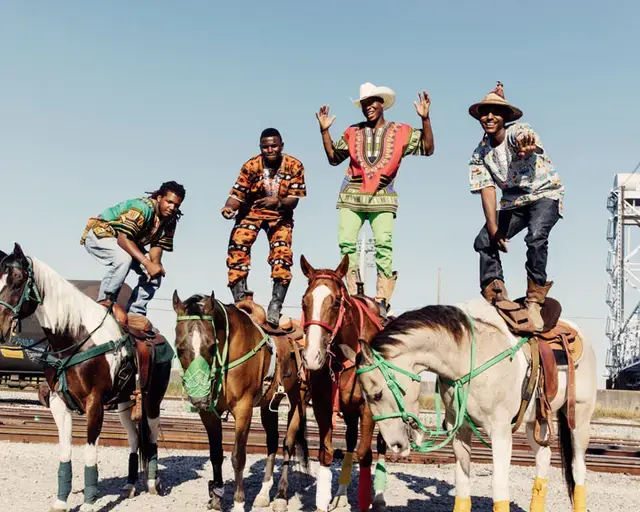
pixel 382 226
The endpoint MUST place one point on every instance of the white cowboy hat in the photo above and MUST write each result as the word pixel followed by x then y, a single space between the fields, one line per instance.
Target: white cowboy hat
pixel 369 90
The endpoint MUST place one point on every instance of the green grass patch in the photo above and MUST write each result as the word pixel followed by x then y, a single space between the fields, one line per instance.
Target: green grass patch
pixel 621 414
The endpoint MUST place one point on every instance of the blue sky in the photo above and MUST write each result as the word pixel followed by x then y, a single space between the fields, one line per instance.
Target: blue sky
pixel 100 102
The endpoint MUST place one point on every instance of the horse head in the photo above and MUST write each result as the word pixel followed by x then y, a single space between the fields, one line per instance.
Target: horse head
pixel 196 345
pixel 323 307
pixel 19 296
pixel 391 396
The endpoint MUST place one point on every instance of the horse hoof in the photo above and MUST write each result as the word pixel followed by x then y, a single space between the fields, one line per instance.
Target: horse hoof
pixel 88 507
pixel 279 505
pixel 214 505
pixel 261 501
pixel 154 487
pixel 238 506
pixel 379 506
pixel 128 491
pixel 340 501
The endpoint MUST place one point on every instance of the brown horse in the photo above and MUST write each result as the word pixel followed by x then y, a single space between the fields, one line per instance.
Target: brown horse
pixel 89 366
pixel 231 364
pixel 334 324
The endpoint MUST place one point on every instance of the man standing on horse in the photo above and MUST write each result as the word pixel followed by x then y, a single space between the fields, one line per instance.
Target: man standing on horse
pixel 511 157
pixel 118 236
pixel 264 196
pixel 375 148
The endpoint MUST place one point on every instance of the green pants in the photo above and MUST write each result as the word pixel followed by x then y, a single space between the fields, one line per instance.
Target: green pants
pixel 382 227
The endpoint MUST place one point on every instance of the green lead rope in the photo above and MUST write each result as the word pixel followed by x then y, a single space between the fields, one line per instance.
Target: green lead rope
pixel 460 394
pixel 201 379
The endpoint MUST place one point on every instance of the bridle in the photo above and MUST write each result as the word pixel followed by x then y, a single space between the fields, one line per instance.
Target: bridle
pixel 29 292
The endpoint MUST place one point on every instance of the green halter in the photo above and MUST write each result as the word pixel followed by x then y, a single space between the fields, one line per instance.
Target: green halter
pixel 460 394
pixel 29 291
pixel 202 379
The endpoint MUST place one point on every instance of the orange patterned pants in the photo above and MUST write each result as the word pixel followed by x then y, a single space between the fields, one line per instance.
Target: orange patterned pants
pixel 245 232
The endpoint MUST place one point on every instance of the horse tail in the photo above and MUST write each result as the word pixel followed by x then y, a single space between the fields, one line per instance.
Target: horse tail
pixel 565 440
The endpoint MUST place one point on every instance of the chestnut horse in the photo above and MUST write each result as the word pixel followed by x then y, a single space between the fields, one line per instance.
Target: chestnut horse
pixel 88 365
pixel 231 364
pixel 335 323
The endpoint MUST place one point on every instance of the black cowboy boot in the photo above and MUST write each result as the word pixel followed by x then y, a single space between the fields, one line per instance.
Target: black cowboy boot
pixel 275 306
pixel 239 289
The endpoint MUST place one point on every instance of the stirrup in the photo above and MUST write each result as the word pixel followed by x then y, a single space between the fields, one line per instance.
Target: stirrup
pixel 279 391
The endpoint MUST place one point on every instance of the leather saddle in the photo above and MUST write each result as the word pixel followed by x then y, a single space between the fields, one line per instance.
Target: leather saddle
pixel 557 346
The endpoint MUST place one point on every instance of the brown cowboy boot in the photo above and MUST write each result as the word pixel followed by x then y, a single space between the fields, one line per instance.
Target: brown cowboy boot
pixel 495 291
pixel 535 299
pixel 384 290
pixel 352 278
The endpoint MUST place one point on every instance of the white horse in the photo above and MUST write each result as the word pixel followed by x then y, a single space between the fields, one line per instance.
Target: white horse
pixel 438 339
pixel 75 323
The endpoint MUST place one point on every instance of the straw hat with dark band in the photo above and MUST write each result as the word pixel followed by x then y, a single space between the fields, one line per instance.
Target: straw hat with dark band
pixel 496 97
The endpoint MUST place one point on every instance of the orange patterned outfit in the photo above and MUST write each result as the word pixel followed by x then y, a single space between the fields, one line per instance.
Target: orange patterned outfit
pixel 253 183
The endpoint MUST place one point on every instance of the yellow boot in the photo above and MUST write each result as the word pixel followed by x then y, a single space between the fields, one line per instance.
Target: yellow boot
pixel 534 301
pixel 462 505
pixel 501 506
pixel 580 499
pixel 538 494
pixel 384 290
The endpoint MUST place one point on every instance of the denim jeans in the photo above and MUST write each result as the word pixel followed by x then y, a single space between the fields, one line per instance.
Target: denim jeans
pixel 119 263
pixel 538 217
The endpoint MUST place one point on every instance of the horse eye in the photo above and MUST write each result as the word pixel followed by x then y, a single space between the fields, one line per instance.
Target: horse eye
pixel 377 396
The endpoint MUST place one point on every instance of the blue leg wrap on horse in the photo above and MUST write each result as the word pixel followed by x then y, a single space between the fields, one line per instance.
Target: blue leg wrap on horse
pixel 380 479
pixel 90 484
pixel 153 462
pixel 65 475
pixel 132 477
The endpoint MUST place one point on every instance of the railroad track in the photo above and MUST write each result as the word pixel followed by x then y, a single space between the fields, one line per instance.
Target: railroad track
pixel 184 433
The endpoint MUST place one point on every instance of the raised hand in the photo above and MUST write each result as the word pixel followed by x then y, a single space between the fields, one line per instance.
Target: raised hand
pixel 422 105
pixel 323 117
pixel 526 144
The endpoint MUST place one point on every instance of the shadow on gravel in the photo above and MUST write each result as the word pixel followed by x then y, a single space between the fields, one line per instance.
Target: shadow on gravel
pixel 436 495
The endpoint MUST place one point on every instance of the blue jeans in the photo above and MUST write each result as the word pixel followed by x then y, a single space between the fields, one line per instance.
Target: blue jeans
pixel 119 263
pixel 539 217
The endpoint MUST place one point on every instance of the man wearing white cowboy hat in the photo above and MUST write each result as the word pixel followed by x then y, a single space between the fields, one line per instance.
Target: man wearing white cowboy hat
pixel 375 148
pixel 512 158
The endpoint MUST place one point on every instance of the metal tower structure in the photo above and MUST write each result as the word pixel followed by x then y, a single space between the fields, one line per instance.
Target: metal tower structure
pixel 366 255
pixel 623 291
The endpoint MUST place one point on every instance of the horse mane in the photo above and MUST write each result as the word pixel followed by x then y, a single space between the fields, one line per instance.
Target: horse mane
pixel 67 308
pixel 450 319
pixel 193 304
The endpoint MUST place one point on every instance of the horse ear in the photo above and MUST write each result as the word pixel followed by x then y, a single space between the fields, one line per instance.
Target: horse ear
pixel 213 296
pixel 18 253
pixel 178 306
pixel 343 267
pixel 3 255
pixel 306 267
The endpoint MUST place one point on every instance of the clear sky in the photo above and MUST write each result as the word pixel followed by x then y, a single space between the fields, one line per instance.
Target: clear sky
pixel 100 102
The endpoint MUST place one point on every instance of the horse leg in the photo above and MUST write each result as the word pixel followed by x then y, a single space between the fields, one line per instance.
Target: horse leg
pixel 270 423
pixel 63 419
pixel 213 426
pixel 95 416
pixel 296 427
pixel 242 414
pixel 340 500
pixel 124 411
pixel 380 479
pixel 365 456
pixel 462 450
pixel 501 440
pixel 543 462
pixel 573 447
pixel 323 412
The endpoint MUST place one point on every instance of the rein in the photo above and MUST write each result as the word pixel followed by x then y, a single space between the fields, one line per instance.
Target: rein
pixel 460 394
pixel 204 380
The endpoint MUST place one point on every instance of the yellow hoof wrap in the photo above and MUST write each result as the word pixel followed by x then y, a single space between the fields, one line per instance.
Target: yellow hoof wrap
pixel 345 473
pixel 462 505
pixel 580 499
pixel 539 494
pixel 501 506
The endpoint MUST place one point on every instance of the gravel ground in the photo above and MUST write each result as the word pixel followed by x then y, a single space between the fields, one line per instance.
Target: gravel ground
pixel 28 483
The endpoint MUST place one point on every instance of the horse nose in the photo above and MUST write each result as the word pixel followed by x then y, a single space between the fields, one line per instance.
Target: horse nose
pixel 314 362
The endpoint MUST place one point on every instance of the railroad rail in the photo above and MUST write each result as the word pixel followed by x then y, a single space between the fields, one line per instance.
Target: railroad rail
pixel 185 433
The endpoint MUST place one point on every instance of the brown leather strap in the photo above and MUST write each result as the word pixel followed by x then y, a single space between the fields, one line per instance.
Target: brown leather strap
pixel 543 415
pixel 531 384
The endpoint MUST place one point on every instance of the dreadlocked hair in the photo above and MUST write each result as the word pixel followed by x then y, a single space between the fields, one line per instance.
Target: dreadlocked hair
pixel 165 188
